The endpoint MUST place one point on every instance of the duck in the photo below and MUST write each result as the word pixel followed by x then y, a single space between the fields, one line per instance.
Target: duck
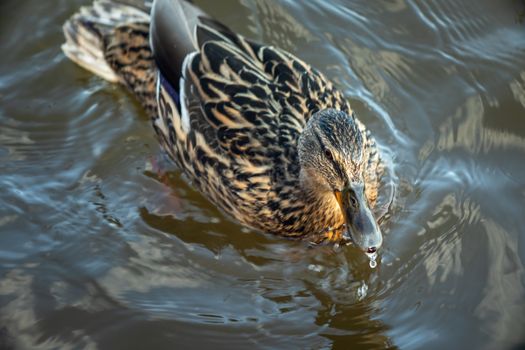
pixel 263 135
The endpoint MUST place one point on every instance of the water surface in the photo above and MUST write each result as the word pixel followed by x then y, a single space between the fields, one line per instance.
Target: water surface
pixel 97 250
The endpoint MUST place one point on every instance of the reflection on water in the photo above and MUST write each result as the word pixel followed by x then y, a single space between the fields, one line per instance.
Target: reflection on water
pixel 104 245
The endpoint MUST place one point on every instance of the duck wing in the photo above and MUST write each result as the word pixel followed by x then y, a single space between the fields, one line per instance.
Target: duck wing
pixel 256 98
pixel 172 34
pixel 233 113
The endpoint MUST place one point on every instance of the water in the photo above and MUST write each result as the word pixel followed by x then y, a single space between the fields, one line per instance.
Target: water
pixel 372 260
pixel 99 251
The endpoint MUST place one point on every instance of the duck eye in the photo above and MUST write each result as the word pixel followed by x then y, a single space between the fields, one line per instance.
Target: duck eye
pixel 328 154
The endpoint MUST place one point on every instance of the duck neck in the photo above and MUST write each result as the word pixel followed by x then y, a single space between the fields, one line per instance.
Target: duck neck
pixel 322 211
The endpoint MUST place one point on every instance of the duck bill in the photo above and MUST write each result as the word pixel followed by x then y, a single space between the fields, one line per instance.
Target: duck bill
pixel 360 222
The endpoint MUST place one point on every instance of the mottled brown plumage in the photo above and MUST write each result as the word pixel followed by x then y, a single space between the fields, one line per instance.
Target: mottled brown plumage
pixel 263 135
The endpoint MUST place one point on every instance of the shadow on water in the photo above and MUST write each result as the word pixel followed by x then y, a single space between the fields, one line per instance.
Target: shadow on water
pixel 332 284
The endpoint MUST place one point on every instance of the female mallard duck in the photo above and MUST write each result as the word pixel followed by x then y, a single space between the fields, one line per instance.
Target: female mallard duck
pixel 262 134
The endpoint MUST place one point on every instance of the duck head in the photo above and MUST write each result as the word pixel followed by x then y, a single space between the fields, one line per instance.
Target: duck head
pixel 332 156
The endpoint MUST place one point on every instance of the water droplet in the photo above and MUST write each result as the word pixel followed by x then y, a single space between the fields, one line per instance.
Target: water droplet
pixel 362 291
pixel 372 257
pixel 315 268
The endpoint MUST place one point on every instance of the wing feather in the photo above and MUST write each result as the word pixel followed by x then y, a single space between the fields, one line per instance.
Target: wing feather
pixel 243 108
pixel 252 95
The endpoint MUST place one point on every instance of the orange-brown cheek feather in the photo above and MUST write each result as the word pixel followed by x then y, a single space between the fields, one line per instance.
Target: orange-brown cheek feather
pixel 334 236
pixel 339 197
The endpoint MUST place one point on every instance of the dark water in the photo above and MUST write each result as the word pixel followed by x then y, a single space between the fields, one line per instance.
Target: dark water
pixel 99 251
